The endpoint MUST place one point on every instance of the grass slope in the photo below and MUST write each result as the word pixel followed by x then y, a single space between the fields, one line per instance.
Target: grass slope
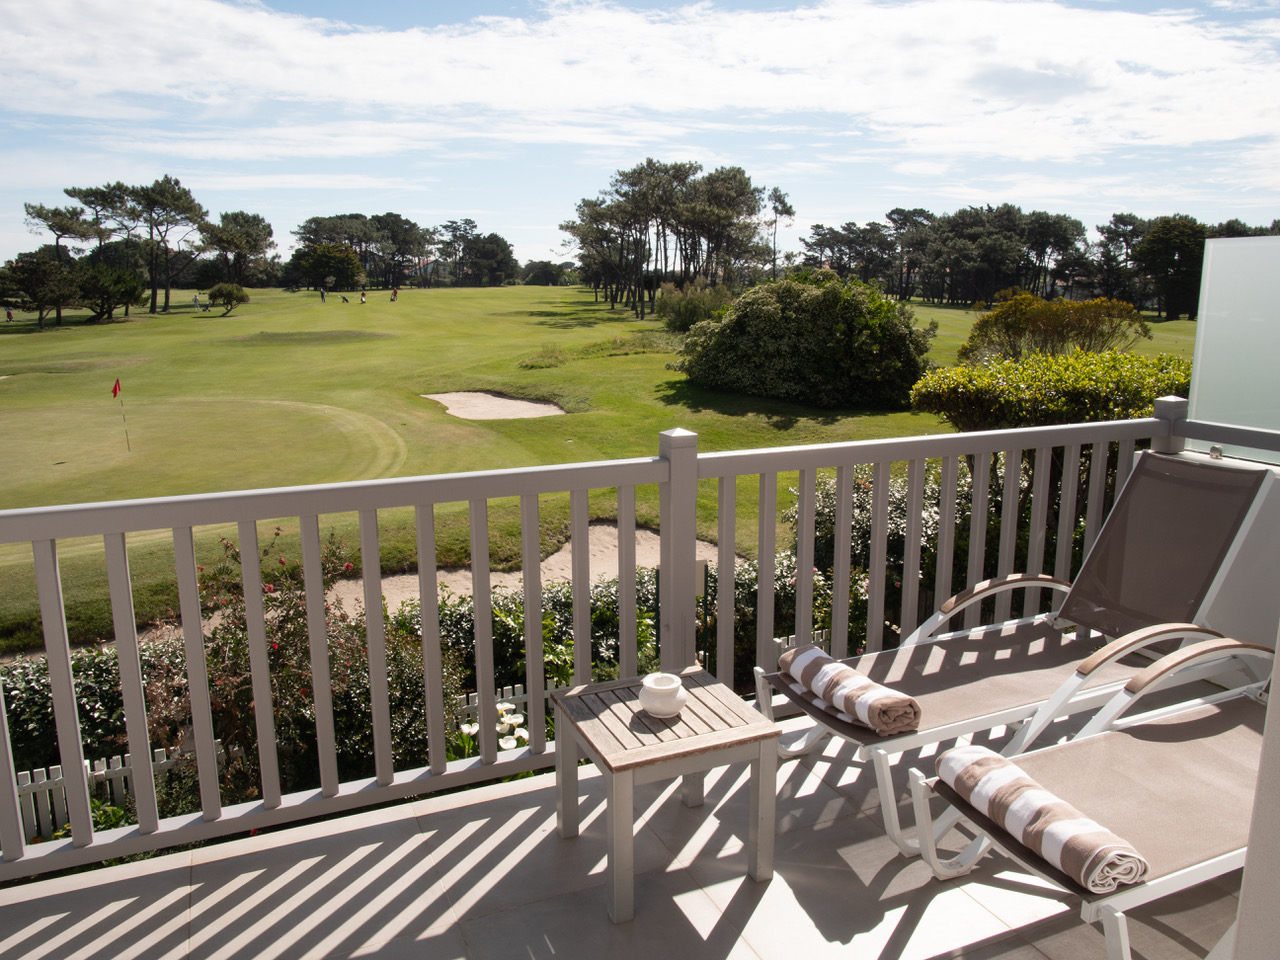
pixel 286 390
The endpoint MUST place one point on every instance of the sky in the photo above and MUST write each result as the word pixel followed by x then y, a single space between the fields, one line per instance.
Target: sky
pixel 511 111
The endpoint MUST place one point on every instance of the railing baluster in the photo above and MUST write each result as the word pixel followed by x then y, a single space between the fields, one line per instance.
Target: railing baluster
pixel 535 657
pixel 259 663
pixel 842 567
pixel 944 575
pixel 1039 520
pixel 909 614
pixel 804 558
pixel 318 645
pixel 376 637
pixel 1125 454
pixel 878 557
pixel 580 565
pixel 978 529
pixel 1094 512
pixel 766 653
pixel 13 839
pixel 429 616
pixel 726 575
pixel 482 598
pixel 61 686
pixel 184 555
pixel 130 668
pixel 628 636
pixel 1067 511
pixel 1010 514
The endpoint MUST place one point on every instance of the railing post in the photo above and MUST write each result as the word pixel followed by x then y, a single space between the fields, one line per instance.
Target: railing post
pixel 677 518
pixel 1171 409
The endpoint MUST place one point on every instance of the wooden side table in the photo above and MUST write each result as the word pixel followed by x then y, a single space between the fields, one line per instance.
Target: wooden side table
pixel 604 721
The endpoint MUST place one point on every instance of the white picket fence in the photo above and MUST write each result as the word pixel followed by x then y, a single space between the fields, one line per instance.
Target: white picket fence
pixel 42 795
pixel 517 696
pixel 820 638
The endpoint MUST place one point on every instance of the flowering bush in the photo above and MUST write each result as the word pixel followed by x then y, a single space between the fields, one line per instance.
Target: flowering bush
pixel 164 671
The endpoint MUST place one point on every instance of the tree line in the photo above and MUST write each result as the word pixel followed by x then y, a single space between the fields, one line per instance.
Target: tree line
pixel 972 254
pixel 670 222
pixel 119 245
pixel 353 250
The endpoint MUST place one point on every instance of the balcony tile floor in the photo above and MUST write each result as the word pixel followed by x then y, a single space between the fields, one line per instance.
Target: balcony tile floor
pixel 482 875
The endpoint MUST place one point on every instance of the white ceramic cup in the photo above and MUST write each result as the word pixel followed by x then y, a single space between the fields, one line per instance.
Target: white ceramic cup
pixel 663 695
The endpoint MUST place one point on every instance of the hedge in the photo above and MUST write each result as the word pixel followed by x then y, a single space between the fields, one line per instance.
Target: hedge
pixel 1041 390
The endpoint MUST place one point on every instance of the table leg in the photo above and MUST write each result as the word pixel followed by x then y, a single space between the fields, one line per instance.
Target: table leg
pixel 693 786
pixel 620 825
pixel 566 777
pixel 763 805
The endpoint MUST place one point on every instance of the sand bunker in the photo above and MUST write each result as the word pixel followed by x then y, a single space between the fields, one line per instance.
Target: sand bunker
pixel 491 406
pixel 603 565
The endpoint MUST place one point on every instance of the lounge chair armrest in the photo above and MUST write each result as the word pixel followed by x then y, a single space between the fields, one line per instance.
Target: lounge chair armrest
pixel 1156 676
pixel 1054 707
pixel 1140 638
pixel 1215 648
pixel 981 591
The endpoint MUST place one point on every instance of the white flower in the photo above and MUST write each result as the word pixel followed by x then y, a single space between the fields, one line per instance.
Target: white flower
pixel 514 719
pixel 470 729
pixel 508 743
pixel 505 707
pixel 504 727
pixel 522 733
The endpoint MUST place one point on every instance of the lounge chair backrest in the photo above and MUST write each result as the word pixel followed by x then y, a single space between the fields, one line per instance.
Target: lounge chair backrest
pixel 1166 545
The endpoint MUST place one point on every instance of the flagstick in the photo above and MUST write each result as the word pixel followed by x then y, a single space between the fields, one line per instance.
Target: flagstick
pixel 126 426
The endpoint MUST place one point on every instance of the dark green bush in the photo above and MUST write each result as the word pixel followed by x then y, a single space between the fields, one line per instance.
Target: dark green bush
pixel 814 339
pixel 230 295
pixel 1041 390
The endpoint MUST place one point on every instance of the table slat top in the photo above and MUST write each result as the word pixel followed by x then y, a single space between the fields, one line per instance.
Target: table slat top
pixel 608 716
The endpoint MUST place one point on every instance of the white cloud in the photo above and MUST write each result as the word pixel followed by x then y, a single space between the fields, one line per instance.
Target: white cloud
pixel 1029 79
pixel 852 103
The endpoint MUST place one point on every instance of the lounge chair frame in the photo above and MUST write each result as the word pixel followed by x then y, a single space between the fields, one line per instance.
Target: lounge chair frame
pixel 1183 666
pixel 1087 689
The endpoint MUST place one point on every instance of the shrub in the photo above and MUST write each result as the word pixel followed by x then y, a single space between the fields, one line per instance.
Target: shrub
pixel 230 295
pixel 1024 324
pixel 813 339
pixel 1041 390
pixel 680 308
pixel 899 504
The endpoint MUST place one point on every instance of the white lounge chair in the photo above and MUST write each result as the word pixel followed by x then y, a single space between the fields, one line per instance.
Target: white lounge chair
pixel 1157 563
pixel 1151 777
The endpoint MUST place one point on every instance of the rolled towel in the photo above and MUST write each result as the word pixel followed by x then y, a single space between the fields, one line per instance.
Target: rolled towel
pixel 1049 827
pixel 850 695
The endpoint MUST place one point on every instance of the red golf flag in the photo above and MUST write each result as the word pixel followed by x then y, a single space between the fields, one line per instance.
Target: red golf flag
pixel 116 389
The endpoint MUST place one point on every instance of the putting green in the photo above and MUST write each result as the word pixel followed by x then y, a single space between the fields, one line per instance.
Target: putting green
pixel 174 442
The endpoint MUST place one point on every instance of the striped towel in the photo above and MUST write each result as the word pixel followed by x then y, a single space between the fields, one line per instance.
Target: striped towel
pixel 1050 828
pixel 842 691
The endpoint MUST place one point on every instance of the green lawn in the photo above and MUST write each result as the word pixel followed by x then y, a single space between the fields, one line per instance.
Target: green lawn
pixel 287 390
pixel 1167 336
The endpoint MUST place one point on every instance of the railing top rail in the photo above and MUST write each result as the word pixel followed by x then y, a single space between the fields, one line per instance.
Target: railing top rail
pixel 123 516
pixel 738 462
pixel 1211 432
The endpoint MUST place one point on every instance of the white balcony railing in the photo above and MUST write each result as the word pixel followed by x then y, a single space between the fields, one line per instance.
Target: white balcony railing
pixel 1051 509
